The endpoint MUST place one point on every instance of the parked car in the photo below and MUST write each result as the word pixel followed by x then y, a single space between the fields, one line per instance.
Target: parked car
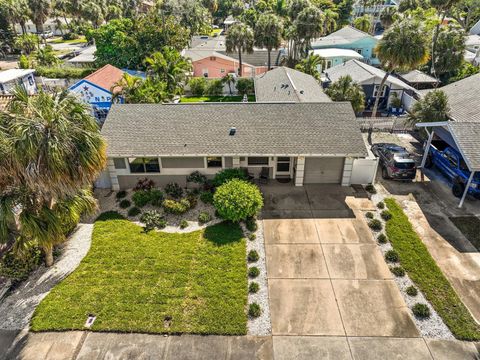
pixel 395 161
pixel 45 34
pixel 451 163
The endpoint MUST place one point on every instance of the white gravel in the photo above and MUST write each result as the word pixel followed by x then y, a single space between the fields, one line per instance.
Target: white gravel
pixel 432 327
pixel 17 308
pixel 262 325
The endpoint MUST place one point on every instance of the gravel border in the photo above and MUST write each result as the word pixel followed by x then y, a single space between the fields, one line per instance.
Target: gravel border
pixel 432 327
pixel 262 325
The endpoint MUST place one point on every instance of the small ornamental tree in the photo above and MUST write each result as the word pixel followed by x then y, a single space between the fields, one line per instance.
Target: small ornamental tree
pixel 237 200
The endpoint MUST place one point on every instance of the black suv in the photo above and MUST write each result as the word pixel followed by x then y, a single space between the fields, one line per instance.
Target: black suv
pixel 395 161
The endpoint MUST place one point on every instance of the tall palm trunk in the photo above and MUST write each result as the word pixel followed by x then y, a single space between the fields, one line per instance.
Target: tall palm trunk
pixel 434 43
pixel 268 62
pixel 240 70
pixel 48 252
pixel 379 93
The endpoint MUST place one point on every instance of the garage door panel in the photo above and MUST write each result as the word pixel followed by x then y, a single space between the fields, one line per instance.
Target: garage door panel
pixel 326 170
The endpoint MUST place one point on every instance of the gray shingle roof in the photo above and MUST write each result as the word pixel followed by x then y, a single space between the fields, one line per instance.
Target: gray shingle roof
pixel 416 77
pixel 285 84
pixel 259 57
pixel 345 35
pixel 467 136
pixel 268 129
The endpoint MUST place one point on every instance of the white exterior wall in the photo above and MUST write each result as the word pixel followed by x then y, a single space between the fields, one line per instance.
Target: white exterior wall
pixel 113 174
pixel 347 171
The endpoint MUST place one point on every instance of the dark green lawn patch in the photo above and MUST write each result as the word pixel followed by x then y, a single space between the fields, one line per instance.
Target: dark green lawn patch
pixel 233 98
pixel 428 277
pixel 470 227
pixel 153 282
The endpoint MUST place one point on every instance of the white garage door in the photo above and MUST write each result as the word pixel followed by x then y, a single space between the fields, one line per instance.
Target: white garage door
pixel 323 170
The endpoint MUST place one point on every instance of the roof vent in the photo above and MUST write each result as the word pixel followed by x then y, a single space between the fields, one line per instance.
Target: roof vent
pixel 232 131
pixel 302 92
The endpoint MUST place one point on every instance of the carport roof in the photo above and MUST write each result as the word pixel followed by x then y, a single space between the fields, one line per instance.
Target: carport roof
pixel 262 129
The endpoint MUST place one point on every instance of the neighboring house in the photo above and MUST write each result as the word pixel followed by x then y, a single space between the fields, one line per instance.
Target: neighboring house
pixel 85 57
pixel 229 21
pixel 472 52
pixel 419 80
pixel 475 30
pixel 13 77
pixel 306 142
pixel 360 8
pixel 350 38
pixel 369 78
pixel 58 26
pixel 288 85
pixel 96 90
pixel 334 56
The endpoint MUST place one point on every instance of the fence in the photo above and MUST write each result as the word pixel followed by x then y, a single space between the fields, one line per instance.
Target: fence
pixel 385 124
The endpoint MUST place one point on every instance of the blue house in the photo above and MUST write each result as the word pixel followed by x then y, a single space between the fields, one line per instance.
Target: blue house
pixel 348 38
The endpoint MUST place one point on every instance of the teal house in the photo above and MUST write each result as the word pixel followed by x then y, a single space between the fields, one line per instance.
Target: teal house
pixel 346 44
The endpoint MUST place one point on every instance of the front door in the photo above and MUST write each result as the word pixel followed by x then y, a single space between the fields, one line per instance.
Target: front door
pixel 284 167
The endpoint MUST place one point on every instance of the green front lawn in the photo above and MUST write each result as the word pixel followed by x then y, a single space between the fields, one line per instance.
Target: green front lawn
pixel 80 40
pixel 470 227
pixel 425 273
pixel 194 99
pixel 155 282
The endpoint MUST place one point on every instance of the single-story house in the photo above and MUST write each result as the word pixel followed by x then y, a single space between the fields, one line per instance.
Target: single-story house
pixel 13 77
pixel 57 26
pixel 350 38
pixel 96 89
pixel 85 57
pixel 369 78
pixel 334 56
pixel 419 80
pixel 284 84
pixel 306 142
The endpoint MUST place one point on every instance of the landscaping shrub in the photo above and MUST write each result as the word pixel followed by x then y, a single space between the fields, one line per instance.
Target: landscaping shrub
pixel 124 204
pixel 245 86
pixel 144 184
pixel 371 189
pixel 375 224
pixel 134 211
pixel 252 237
pixel 254 310
pixel 141 198
pixel 206 197
pixel 204 217
pixel 381 205
pixel 121 194
pixel 156 197
pixel 421 311
pixel 198 86
pixel 391 256
pixel 174 190
pixel 253 272
pixel 251 224
pixel 197 178
pixel 18 268
pixel 253 256
pixel 183 224
pixel 253 287
pixel 382 238
pixel 397 271
pixel 153 219
pixel 63 72
pixel 386 215
pixel 192 199
pixel 237 200
pixel 369 215
pixel 176 207
pixel 214 87
pixel 411 291
pixel 226 175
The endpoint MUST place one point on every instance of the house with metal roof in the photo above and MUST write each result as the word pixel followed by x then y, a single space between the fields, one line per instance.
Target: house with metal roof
pixel 349 38
pixel 305 142
pixel 11 78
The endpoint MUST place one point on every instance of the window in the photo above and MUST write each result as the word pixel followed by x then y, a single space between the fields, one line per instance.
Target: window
pixel 258 160
pixel 144 165
pixel 119 163
pixel 451 158
pixel 30 80
pixel 383 91
pixel 213 58
pixel 360 51
pixel 222 71
pixel 214 161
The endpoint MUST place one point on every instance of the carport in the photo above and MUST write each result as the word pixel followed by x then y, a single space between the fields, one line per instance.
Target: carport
pixel 462 136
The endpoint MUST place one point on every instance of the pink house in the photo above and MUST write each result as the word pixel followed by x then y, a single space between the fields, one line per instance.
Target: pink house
pixel 212 64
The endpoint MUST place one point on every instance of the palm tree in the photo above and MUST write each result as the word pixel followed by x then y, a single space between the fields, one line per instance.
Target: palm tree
pixel 345 89
pixel 330 23
pixel 17 12
pixel 52 151
pixel 433 107
pixel 309 25
pixel 268 33
pixel 310 65
pixel 229 79
pixel 40 9
pixel 404 47
pixel 363 23
pixel 46 56
pixel 239 38
pixel 388 16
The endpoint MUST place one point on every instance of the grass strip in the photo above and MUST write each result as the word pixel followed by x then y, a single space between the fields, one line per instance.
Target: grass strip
pixel 426 274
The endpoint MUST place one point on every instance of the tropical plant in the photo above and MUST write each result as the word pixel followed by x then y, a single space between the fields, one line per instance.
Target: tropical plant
pixel 239 39
pixel 449 51
pixel 308 25
pixel 237 200
pixel 432 107
pixel 214 87
pixel 403 46
pixel 388 16
pixel 245 86
pixel 226 175
pixel 40 9
pixel 268 33
pixel 198 85
pixel 26 43
pixel 345 89
pixel 330 21
pixel 229 79
pixel 311 65
pixel 46 56
pixel 52 151
pixel 363 23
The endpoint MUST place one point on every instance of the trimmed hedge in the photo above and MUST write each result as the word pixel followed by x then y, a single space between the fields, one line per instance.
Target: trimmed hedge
pixel 63 72
pixel 427 276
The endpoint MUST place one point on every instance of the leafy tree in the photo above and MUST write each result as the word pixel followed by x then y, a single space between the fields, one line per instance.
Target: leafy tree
pixel 239 38
pixel 345 89
pixel 433 107
pixel 330 21
pixel 26 43
pixel 135 90
pixel 46 56
pixel 363 23
pixel 344 10
pixel 464 71
pixel 296 7
pixel 93 13
pixel 449 51
pixel 403 46
pixel 191 13
pixel 466 13
pixel 214 87
pixel 268 33
pixel 198 85
pixel 16 12
pixel 229 79
pixel 245 86
pixel 40 9
pixel 309 25
pixel 237 200
pixel 388 16
pixel 52 151
pixel 310 65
